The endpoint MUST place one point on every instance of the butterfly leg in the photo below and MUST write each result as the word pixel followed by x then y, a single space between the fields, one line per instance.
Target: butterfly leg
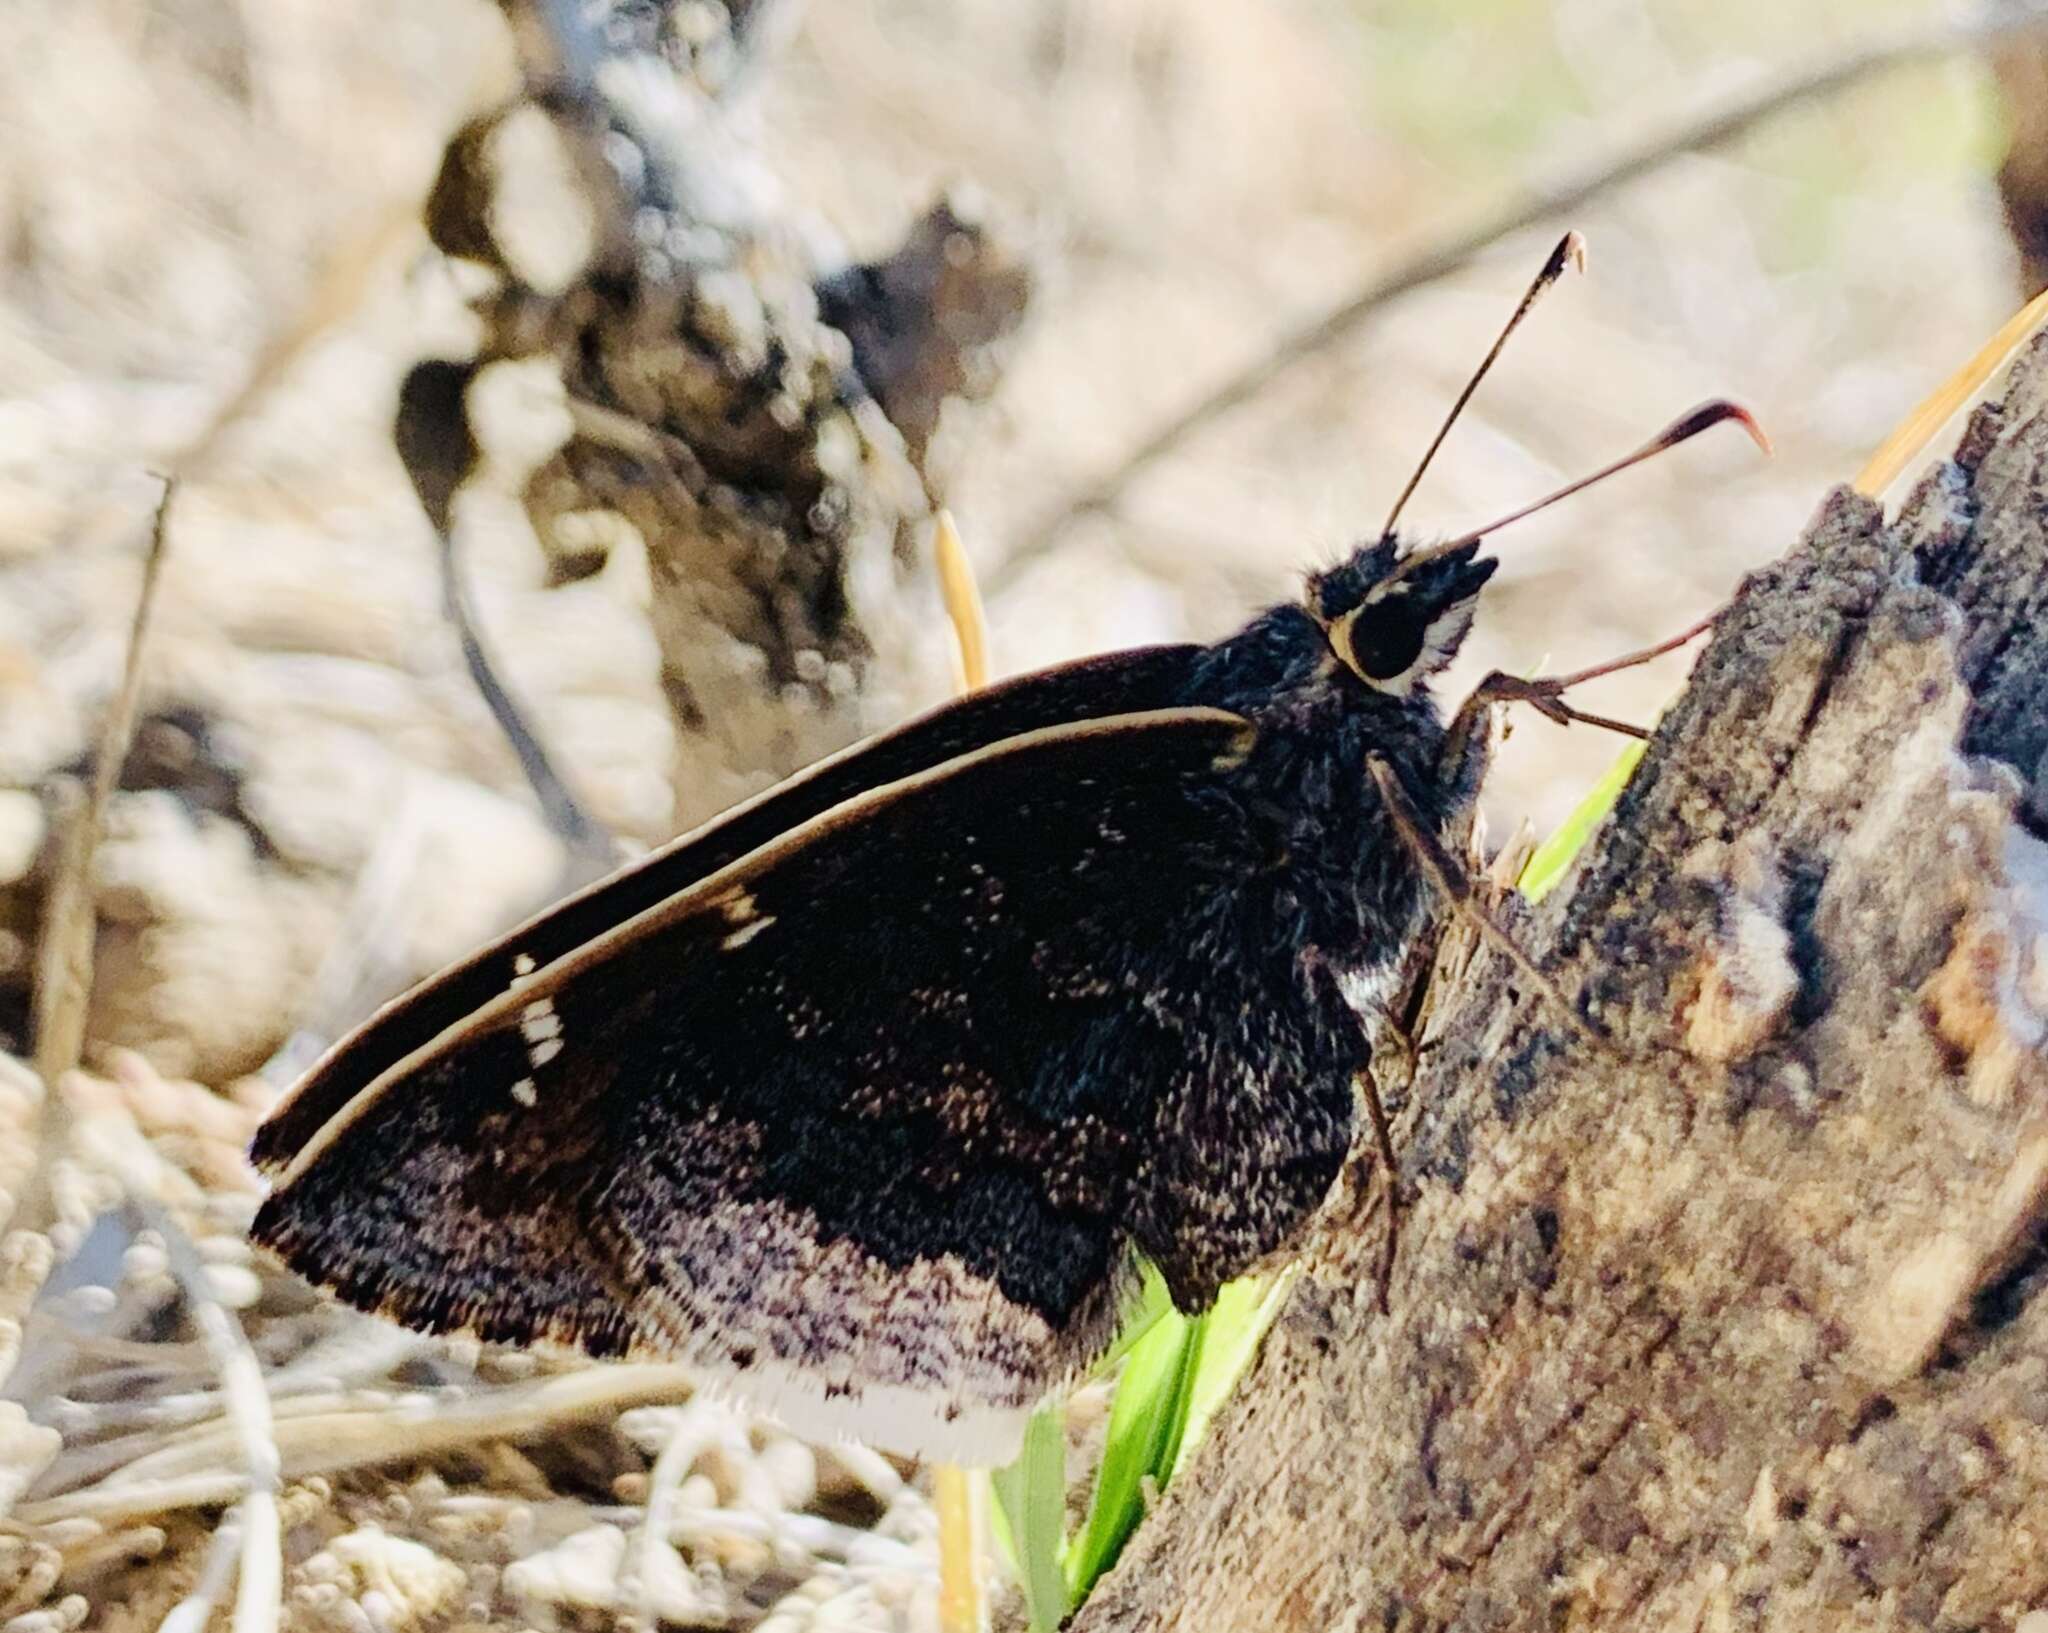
pixel 1545 693
pixel 1545 696
pixel 1443 871
pixel 1390 1030
pixel 1383 1137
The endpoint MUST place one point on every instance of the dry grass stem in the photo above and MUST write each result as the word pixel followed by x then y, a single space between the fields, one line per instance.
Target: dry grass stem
pixel 963 603
pixel 63 993
pixel 261 1578
pixel 963 1594
pixel 188 1467
pixel 1905 445
pixel 64 990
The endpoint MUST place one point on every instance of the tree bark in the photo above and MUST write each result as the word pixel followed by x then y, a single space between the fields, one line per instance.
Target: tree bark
pixel 1738 1327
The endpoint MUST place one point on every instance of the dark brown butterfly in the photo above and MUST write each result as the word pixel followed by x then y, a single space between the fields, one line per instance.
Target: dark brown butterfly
pixel 867 1098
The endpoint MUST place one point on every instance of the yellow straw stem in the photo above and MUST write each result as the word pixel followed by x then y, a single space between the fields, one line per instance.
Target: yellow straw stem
pixel 963 1605
pixel 1924 424
pixel 963 603
pixel 958 1495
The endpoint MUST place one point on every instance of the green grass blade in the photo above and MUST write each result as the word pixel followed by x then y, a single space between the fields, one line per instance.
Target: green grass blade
pixel 1154 1305
pixel 1230 1337
pixel 1555 854
pixel 1175 1379
pixel 1183 1392
pixel 1143 1423
pixel 1031 1514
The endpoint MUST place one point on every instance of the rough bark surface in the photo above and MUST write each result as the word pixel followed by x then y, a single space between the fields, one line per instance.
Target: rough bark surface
pixel 1738 1328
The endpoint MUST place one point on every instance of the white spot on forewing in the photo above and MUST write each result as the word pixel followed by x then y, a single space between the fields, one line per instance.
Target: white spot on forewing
pixel 525 1092
pixel 524 964
pixel 541 1026
pixel 736 905
pixel 745 934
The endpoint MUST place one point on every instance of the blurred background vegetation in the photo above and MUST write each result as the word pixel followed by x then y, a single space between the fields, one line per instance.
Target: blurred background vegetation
pixel 1190 178
pixel 193 189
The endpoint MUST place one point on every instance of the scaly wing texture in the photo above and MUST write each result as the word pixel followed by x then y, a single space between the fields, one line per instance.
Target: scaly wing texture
pixel 1146 678
pixel 864 1123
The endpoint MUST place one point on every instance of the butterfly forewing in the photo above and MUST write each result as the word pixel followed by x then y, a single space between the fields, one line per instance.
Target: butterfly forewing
pixel 863 1121
pixel 1146 678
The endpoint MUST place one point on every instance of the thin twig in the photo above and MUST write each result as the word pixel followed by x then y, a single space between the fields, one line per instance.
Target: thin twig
pixel 63 974
pixel 68 927
pixel 1714 126
pixel 260 1582
pixel 192 1467
pixel 438 448
pixel 64 961
pixel 590 850
pixel 192 1613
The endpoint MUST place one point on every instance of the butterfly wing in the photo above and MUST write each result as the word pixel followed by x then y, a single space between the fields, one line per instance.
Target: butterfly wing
pixel 863 1122
pixel 1135 681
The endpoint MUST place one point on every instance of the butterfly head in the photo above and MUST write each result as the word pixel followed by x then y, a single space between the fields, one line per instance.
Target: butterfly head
pixel 1394 619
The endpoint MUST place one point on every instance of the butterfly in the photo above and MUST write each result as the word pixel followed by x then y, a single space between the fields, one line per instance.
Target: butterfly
pixel 870 1098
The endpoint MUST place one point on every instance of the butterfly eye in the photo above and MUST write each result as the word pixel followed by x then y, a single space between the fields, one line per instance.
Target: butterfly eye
pixel 1380 641
pixel 1397 640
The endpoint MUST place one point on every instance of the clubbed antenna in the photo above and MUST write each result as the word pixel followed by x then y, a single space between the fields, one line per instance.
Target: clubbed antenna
pixel 1570 252
pixel 1683 429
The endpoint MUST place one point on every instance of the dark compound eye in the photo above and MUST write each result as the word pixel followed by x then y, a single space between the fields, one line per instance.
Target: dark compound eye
pixel 1384 639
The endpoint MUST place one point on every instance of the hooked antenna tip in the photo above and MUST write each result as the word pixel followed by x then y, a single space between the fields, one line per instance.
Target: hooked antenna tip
pixel 1569 255
pixel 1710 414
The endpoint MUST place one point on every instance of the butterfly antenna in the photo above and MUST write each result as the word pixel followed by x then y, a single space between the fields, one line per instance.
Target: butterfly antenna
pixel 1683 429
pixel 1570 252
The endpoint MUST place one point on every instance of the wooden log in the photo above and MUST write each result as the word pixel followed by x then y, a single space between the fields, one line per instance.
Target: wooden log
pixel 1737 1328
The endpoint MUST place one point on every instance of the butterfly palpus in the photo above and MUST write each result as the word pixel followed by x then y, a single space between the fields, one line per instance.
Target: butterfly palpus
pixel 866 1098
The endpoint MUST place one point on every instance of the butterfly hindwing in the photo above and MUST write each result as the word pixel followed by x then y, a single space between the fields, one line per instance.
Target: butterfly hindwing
pixel 1148 678
pixel 864 1121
